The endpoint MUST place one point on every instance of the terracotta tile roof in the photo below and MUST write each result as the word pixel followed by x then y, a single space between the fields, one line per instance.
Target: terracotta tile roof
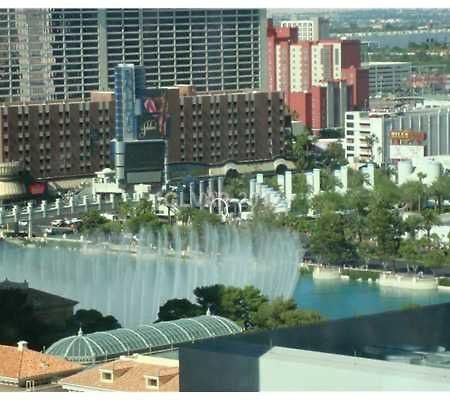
pixel 128 376
pixel 27 364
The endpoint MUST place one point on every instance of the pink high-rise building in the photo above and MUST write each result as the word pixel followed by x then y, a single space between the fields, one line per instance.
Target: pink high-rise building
pixel 320 79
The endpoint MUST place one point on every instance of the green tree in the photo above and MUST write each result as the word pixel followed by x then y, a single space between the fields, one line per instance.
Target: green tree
pixel 92 221
pixel 328 181
pixel 356 179
pixel 410 250
pixel 385 189
pixel 421 176
pixel 263 214
pixel 185 215
pixel 328 201
pixel 144 207
pixel 143 220
pixel 170 200
pixel 124 209
pixel 334 156
pixel 356 225
pixel 303 152
pixel 111 227
pixel 413 193
pixel 201 217
pixel 237 304
pixel 434 258
pixel 385 225
pixel 430 218
pixel 300 204
pixel 328 240
pixel 440 190
pixel 283 313
pixel 91 321
pixel 209 295
pixel 236 186
pixel 412 224
pixel 178 308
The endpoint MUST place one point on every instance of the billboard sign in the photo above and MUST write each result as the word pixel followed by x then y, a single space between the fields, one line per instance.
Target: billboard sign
pixel 408 136
pixel 153 120
pixel 141 156
pixel 37 188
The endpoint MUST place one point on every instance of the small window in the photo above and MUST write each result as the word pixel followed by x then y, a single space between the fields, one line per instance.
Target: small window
pixel 106 376
pixel 152 382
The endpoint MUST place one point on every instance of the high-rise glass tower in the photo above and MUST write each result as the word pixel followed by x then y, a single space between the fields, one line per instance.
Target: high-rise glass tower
pixel 128 81
pixel 78 49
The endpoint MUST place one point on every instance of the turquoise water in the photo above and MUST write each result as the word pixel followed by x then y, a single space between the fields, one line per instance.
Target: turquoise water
pixel 342 299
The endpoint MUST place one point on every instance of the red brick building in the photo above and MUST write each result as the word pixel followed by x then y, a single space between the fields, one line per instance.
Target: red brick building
pixel 320 80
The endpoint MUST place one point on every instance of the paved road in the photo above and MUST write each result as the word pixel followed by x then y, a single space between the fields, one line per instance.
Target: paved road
pixel 39 223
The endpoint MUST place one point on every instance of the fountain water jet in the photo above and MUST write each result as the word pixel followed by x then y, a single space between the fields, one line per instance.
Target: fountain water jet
pixel 133 286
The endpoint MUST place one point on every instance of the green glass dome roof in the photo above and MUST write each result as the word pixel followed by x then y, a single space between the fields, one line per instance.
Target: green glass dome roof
pixel 101 346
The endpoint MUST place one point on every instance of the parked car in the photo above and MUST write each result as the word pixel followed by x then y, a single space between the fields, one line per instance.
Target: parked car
pixel 57 222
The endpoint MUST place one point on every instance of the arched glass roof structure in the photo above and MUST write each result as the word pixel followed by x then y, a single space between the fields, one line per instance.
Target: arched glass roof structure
pixel 102 346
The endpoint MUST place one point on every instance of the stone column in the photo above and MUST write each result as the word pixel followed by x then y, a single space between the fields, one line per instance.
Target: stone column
pixel 201 192
pixel 220 191
pixel 288 186
pixel 280 182
pixel 192 194
pixel 252 189
pixel 258 189
pixel 16 212
pixel 44 208
pixel 30 219
pixel 99 202
pixel 58 207
pixel 316 181
pixel 210 187
pixel 71 205
pixel 112 200
pixel 85 203
pixel 181 198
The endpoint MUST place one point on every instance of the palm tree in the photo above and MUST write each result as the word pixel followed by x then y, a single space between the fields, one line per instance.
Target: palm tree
pixel 169 200
pixel 421 176
pixel 371 140
pixel 440 189
pixel 185 215
pixel 430 218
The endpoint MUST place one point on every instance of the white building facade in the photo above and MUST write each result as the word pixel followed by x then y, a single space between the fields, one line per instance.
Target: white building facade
pixel 369 136
pixel 315 28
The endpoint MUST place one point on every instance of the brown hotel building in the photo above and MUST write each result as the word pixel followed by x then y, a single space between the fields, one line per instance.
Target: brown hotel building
pixel 68 139
pixel 214 128
pixel 60 139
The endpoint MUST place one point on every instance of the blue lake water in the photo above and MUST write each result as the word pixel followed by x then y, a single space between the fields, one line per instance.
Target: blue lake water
pixel 343 299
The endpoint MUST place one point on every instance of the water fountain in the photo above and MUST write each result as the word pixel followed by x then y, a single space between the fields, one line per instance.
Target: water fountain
pixel 132 286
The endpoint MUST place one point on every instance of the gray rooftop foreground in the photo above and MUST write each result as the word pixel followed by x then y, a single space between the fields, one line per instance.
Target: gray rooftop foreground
pixel 396 350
